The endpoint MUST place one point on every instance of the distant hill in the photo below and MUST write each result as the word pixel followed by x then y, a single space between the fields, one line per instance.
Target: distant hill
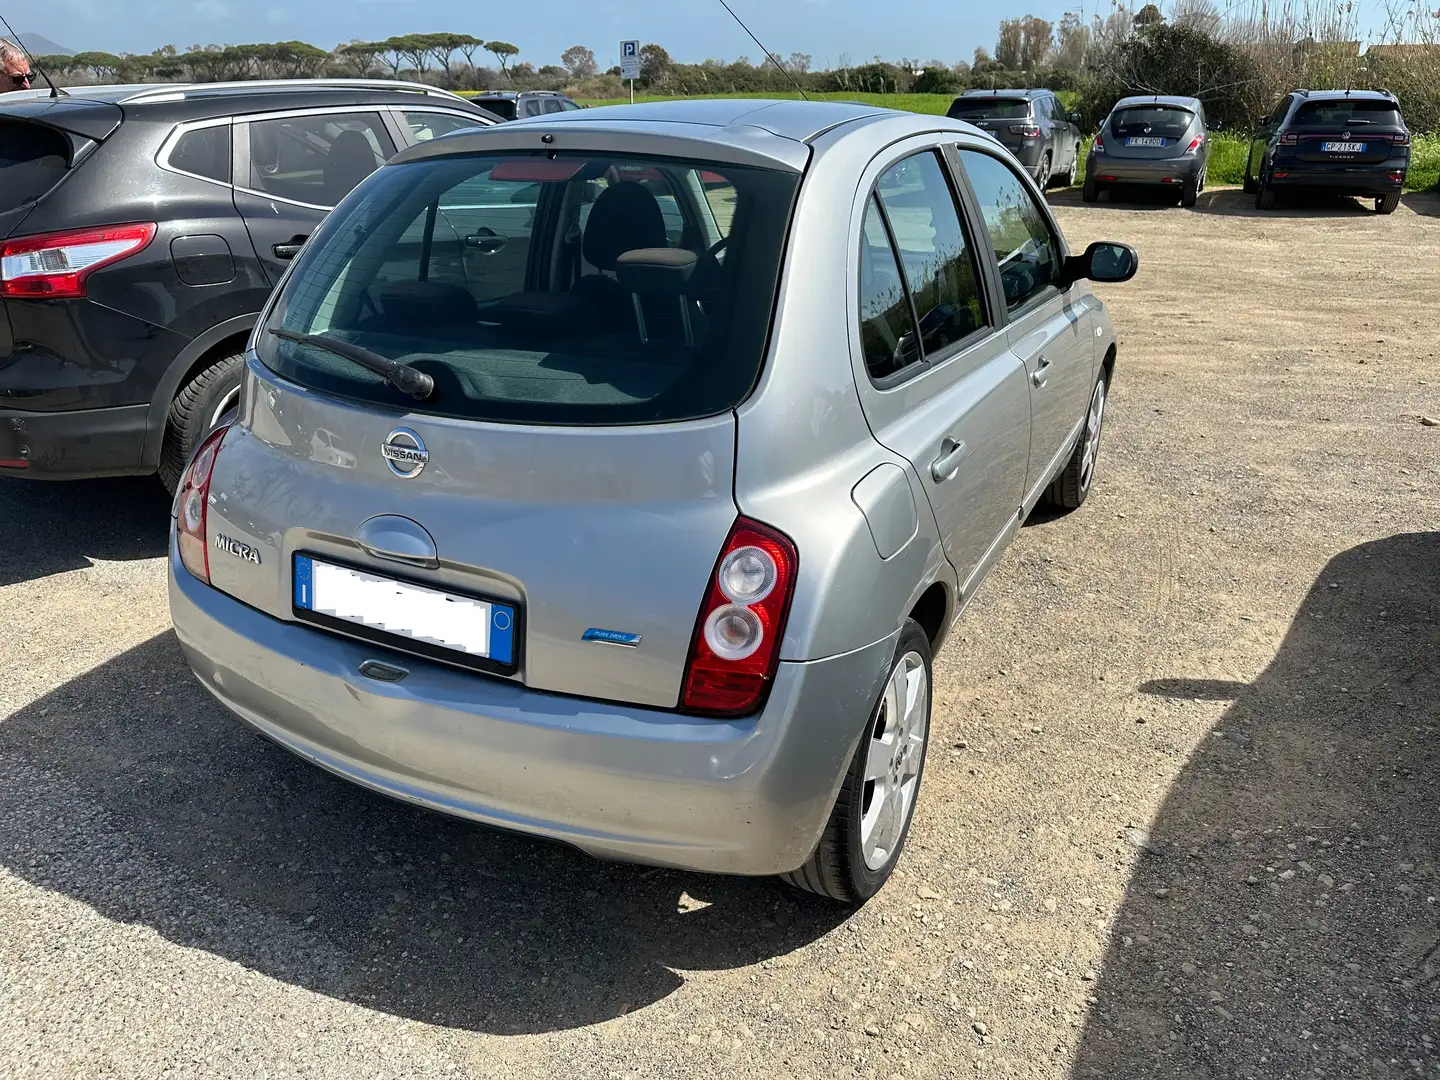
pixel 40 45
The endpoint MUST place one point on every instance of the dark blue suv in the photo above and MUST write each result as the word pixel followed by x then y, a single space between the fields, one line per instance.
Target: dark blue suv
pixel 1342 142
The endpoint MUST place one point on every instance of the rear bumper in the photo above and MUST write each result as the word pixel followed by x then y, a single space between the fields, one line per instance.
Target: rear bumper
pixel 73 445
pixel 1368 181
pixel 1142 171
pixel 622 782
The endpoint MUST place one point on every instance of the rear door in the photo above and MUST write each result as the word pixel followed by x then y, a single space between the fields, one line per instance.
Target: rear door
pixel 937 380
pixel 292 168
pixel 1359 131
pixel 1255 167
pixel 1050 334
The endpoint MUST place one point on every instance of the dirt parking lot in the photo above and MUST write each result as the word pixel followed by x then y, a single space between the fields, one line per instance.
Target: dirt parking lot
pixel 1179 820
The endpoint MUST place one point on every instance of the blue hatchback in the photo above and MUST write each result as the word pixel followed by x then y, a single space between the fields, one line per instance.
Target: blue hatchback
pixel 1343 142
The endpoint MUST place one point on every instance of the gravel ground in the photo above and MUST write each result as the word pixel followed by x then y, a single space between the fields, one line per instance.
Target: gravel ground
pixel 1178 820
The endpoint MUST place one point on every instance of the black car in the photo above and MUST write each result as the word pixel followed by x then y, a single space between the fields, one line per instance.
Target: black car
pixel 141 230
pixel 1342 142
pixel 519 104
pixel 1032 124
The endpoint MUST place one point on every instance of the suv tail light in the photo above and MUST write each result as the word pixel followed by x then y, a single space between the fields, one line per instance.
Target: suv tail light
pixel 1402 139
pixel 192 506
pixel 1195 144
pixel 737 637
pixel 54 266
pixel 1030 131
pixel 1099 145
pixel 1289 139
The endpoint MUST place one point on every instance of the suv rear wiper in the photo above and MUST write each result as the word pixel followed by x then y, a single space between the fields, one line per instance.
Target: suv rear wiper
pixel 403 377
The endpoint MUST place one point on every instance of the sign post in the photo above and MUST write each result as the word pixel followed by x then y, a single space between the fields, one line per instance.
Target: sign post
pixel 630 64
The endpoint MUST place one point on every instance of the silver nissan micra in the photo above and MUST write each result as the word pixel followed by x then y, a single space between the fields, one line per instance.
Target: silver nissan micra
pixel 614 476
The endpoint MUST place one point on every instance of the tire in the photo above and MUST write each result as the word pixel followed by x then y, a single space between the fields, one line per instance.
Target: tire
pixel 196 411
pixel 1190 191
pixel 1091 191
pixel 1069 490
pixel 1042 175
pixel 1249 186
pixel 1264 197
pixel 1386 204
pixel 839 868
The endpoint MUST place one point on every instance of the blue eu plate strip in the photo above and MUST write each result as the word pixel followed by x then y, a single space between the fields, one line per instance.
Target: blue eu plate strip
pixel 304 589
pixel 502 633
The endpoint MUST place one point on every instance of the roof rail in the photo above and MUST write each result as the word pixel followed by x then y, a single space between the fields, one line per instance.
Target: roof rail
pixel 181 91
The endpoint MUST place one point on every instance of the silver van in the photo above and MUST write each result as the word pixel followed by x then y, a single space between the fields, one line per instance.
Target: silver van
pixel 614 476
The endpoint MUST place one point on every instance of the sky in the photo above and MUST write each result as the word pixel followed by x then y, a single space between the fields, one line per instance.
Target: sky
pixel 691 30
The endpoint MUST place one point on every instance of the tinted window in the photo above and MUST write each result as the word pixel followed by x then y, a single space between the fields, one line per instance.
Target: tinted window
pixel 205 152
pixel 532 106
pixel 1020 235
pixel 441 264
pixel 887 326
pixel 990 109
pixel 316 159
pixel 32 161
pixel 1347 114
pixel 425 126
pixel 501 107
pixel 939 271
pixel 1162 120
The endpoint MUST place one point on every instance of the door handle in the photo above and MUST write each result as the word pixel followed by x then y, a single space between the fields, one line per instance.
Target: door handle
pixel 948 463
pixel 289 249
pixel 1041 375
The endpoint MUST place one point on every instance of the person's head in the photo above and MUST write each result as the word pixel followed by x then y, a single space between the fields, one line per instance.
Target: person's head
pixel 15 73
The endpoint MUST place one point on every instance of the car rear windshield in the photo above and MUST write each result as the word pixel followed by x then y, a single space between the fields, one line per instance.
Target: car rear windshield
pixel 1347 114
pixel 1169 121
pixel 570 289
pixel 501 107
pixel 33 158
pixel 990 109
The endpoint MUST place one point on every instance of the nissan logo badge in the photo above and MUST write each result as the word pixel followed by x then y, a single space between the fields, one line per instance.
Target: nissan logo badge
pixel 404 451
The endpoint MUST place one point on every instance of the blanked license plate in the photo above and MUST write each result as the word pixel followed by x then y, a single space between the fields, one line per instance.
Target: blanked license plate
pixel 1343 147
pixel 467 630
pixel 1145 140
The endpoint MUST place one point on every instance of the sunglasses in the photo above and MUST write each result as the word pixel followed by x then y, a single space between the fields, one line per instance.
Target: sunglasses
pixel 22 77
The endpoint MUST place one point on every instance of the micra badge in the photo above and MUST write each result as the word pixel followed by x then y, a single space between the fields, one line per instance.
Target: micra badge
pixel 611 637
pixel 239 550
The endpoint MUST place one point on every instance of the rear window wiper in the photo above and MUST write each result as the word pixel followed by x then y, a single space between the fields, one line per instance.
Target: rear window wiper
pixel 403 377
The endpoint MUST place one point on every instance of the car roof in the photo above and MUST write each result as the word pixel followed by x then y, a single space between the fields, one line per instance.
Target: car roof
pixel 1341 95
pixel 994 92
pixel 1193 104
pixel 766 133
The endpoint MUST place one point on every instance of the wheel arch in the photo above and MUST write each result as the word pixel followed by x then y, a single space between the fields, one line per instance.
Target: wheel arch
pixel 222 339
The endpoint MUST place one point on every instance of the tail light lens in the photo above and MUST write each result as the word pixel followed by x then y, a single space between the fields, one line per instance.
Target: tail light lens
pixel 1030 131
pixel 1195 144
pixel 192 506
pixel 737 637
pixel 1403 139
pixel 54 266
pixel 1289 139
pixel 1099 145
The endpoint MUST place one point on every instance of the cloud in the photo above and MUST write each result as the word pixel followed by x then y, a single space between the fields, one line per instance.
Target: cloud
pixel 212 10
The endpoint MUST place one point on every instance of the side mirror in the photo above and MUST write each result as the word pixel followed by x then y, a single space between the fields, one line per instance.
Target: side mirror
pixel 1074 118
pixel 1103 261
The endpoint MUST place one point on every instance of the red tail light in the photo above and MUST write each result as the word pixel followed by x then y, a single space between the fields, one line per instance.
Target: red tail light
pixel 1099 145
pixel 1289 139
pixel 1403 139
pixel 54 266
pixel 1195 144
pixel 1030 131
pixel 192 506
pixel 737 637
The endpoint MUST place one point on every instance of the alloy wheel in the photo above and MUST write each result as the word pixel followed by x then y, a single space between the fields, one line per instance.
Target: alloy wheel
pixel 892 763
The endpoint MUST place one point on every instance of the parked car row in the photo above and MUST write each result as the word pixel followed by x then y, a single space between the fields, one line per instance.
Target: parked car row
pixel 1341 142
pixel 542 494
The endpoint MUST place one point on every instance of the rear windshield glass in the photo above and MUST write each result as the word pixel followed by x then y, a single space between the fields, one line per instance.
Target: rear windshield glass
pixel 584 289
pixel 501 107
pixel 990 109
pixel 1347 114
pixel 1168 121
pixel 33 158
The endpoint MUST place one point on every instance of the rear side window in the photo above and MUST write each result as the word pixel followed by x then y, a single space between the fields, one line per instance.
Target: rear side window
pixel 1026 249
pixel 204 152
pixel 575 289
pixel 316 159
pixel 1166 121
pixel 532 106
pixel 425 126
pixel 33 158
pixel 990 109
pixel 1347 114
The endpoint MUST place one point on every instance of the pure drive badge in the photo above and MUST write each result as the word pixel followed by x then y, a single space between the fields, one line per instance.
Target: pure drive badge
pixel 236 548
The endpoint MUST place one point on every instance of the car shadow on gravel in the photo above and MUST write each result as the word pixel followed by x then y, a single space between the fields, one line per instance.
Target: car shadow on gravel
pixel 1284 921
pixel 132 792
pixel 1230 202
pixel 52 528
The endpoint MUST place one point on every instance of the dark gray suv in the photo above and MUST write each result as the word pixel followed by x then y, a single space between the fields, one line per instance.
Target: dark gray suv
pixel 141 231
pixel 1032 124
